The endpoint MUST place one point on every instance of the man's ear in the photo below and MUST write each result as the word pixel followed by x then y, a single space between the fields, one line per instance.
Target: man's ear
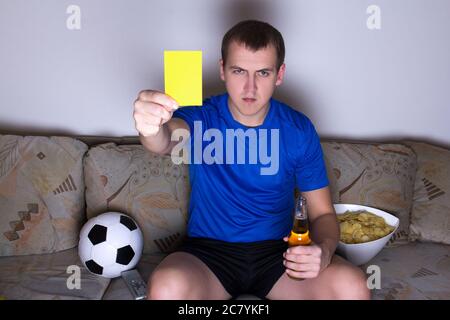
pixel 280 74
pixel 222 72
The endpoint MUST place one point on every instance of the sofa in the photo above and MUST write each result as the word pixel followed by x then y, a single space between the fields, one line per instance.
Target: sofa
pixel 51 185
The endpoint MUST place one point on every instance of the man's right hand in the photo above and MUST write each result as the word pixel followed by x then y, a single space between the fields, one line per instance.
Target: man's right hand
pixel 151 110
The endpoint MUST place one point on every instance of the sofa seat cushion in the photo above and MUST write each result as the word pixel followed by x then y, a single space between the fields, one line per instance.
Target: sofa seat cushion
pixel 45 276
pixel 118 290
pixel 413 271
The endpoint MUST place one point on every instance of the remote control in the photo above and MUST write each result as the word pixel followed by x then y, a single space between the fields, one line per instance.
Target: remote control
pixel 135 283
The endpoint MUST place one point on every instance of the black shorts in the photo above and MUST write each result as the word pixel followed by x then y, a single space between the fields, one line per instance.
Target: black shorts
pixel 242 268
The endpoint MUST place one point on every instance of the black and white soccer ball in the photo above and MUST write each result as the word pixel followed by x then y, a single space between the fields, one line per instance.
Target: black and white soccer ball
pixel 110 243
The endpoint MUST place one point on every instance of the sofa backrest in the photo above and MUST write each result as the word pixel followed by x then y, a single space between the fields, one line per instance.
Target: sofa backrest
pixel 41 194
pixel 148 187
pixel 49 186
pixel 430 214
pixel 376 175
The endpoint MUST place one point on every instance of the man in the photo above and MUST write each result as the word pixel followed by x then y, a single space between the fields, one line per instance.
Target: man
pixel 239 218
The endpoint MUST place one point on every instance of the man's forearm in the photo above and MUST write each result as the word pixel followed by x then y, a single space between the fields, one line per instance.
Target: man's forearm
pixel 325 232
pixel 158 143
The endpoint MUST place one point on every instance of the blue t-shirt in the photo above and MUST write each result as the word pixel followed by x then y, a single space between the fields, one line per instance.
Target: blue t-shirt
pixel 235 198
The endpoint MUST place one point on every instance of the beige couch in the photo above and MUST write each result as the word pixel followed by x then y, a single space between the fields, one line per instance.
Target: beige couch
pixel 49 186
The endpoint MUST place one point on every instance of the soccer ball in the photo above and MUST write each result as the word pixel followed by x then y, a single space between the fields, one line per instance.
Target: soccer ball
pixel 110 244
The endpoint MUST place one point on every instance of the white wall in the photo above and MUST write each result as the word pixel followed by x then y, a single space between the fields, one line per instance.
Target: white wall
pixel 352 82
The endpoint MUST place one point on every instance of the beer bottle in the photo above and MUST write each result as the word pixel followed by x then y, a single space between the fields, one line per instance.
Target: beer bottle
pixel 300 231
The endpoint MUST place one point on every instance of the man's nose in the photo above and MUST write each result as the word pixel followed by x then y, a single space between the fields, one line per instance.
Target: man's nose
pixel 250 83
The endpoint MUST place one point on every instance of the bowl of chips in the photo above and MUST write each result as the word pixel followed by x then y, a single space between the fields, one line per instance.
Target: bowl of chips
pixel 364 231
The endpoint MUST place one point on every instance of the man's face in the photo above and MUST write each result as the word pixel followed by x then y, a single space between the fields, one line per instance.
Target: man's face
pixel 250 78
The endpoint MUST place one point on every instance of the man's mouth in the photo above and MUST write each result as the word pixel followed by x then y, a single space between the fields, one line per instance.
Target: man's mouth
pixel 249 100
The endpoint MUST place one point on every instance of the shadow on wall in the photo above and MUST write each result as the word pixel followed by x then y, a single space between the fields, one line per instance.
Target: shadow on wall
pixel 6 128
pixel 230 14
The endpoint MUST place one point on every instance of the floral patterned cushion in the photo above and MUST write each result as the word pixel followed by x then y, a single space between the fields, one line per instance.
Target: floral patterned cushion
pixel 41 194
pixel 430 216
pixel 148 187
pixel 376 175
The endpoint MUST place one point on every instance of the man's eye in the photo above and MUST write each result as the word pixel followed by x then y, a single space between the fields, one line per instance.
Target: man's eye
pixel 264 73
pixel 238 71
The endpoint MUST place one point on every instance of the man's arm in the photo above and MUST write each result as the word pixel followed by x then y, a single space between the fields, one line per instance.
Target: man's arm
pixel 322 217
pixel 161 142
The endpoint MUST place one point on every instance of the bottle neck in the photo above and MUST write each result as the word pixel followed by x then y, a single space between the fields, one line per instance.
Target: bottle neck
pixel 300 211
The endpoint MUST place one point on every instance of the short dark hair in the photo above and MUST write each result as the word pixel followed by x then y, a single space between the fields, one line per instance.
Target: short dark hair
pixel 254 35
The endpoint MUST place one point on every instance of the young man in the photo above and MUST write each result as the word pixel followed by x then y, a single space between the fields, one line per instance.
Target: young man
pixel 239 218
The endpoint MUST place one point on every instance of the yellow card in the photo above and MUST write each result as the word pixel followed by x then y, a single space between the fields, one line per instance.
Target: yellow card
pixel 183 76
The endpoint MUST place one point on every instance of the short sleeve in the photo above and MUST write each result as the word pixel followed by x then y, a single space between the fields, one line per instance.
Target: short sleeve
pixel 189 114
pixel 310 172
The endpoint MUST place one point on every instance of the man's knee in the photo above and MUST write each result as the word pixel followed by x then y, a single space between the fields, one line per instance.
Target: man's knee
pixel 350 283
pixel 167 285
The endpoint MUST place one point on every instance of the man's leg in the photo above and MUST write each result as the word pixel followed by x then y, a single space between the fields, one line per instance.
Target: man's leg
pixel 340 280
pixel 182 276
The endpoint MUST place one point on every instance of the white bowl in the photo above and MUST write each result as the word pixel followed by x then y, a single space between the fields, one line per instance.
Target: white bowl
pixel 361 253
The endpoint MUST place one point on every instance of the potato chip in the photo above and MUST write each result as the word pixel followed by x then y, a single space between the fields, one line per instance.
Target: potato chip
pixel 362 226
